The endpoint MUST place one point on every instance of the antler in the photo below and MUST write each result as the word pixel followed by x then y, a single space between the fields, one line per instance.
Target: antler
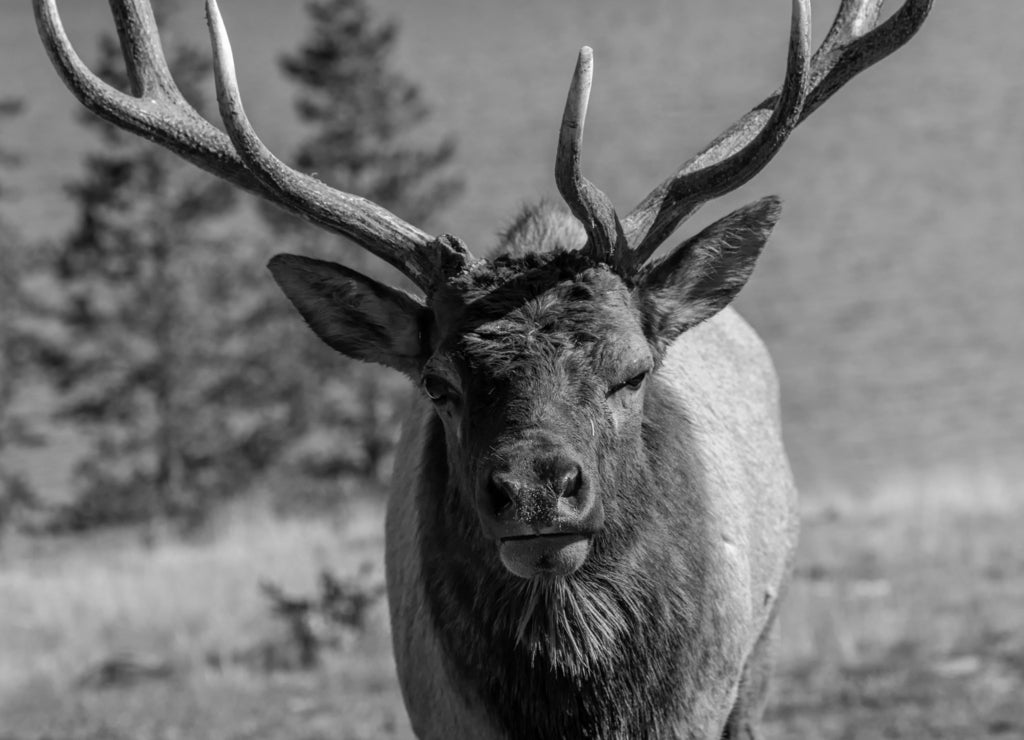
pixel 854 43
pixel 156 110
pixel 587 203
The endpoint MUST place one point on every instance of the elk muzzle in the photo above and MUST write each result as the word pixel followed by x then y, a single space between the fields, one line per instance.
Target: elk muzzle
pixel 539 507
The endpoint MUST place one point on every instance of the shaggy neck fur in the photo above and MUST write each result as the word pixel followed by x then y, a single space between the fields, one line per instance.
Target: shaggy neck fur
pixel 618 649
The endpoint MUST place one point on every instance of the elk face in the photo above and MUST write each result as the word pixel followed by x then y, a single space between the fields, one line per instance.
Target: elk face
pixel 538 368
pixel 537 384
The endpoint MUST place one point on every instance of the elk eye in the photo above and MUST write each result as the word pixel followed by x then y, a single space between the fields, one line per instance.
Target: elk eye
pixel 632 384
pixel 437 388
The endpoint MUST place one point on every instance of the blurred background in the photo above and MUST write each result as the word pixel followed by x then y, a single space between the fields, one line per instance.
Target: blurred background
pixel 191 487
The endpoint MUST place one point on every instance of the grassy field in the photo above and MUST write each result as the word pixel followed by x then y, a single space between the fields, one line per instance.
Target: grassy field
pixel 904 621
pixel 905 616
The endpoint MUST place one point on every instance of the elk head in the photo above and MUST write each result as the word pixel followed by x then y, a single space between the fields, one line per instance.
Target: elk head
pixel 538 361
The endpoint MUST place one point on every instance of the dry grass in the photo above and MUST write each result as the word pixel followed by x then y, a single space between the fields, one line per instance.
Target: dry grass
pixel 70 605
pixel 905 616
pixel 904 620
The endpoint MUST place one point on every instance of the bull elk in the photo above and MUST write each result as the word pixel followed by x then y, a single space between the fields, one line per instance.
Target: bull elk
pixel 592 518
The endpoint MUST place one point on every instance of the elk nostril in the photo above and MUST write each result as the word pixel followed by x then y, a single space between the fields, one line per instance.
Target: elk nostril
pixel 498 495
pixel 570 482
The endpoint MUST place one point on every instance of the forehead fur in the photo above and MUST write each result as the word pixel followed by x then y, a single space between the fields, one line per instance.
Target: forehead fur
pixel 537 297
pixel 516 310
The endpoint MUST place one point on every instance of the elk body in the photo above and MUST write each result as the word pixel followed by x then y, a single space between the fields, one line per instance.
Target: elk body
pixel 592 517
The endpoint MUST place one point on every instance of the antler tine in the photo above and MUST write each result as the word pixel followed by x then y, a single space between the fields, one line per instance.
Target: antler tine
pixel 164 117
pixel 854 18
pixel 161 114
pixel 587 203
pixel 860 44
pixel 732 159
pixel 854 43
pixel 417 255
pixel 148 74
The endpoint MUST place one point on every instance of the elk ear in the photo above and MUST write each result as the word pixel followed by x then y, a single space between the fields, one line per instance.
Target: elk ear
pixel 702 276
pixel 353 314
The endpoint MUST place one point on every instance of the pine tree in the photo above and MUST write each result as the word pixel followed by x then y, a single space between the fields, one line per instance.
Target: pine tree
pixel 366 136
pixel 147 364
pixel 15 259
pixel 365 118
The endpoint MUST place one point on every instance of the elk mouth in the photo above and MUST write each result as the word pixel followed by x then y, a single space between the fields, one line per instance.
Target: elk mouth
pixel 559 554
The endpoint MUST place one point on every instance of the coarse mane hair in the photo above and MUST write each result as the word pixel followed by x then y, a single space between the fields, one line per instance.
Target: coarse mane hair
pixel 540 227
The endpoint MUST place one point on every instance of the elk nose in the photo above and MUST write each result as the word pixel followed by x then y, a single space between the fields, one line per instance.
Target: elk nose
pixel 550 495
pixel 507 488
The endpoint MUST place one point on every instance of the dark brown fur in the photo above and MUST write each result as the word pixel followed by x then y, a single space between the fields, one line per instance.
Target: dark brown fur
pixel 530 683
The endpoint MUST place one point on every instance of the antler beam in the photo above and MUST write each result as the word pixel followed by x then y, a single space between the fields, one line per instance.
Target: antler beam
pixel 156 110
pixel 854 43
